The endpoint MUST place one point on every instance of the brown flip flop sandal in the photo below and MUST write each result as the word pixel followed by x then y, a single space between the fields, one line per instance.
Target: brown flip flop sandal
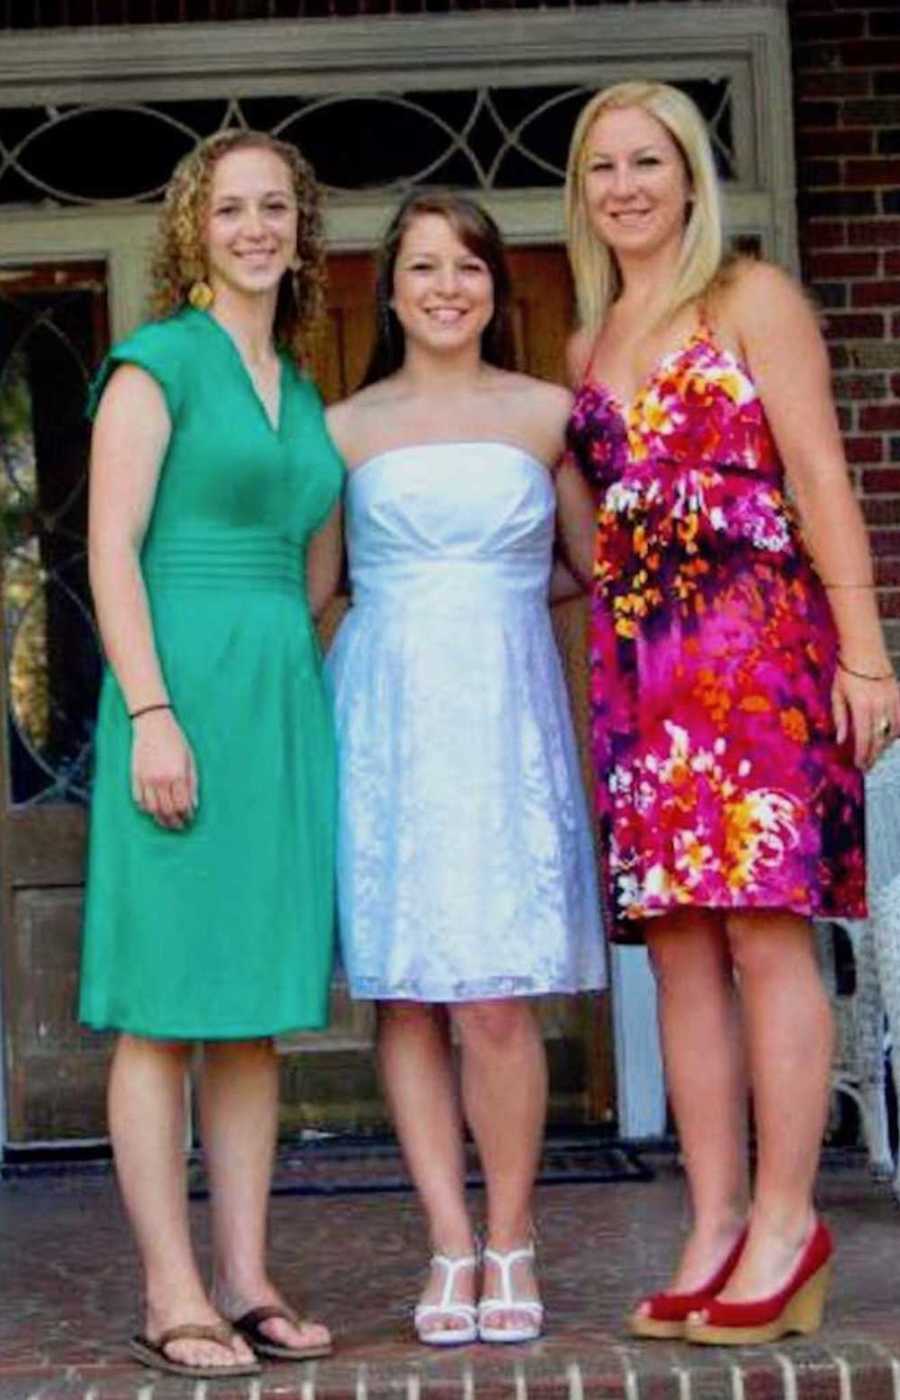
pixel 250 1327
pixel 153 1354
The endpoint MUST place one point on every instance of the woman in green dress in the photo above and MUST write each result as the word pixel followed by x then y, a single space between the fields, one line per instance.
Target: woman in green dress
pixel 213 542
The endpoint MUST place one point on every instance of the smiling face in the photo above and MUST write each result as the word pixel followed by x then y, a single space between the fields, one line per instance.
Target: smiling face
pixel 443 293
pixel 251 223
pixel 636 187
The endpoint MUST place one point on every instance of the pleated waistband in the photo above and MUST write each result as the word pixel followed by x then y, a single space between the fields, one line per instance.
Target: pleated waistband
pixel 451 583
pixel 240 560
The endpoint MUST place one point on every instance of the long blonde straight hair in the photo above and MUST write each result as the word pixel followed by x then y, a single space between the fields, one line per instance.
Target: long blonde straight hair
pixel 594 267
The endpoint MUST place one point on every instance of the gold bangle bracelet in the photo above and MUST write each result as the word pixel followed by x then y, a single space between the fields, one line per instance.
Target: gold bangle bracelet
pixel 865 675
pixel 849 585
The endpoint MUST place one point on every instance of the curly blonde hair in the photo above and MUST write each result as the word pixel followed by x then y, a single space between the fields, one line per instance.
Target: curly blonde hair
pixel 179 258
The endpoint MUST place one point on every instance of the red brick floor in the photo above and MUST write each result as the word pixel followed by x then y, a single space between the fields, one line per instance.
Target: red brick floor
pixel 68 1300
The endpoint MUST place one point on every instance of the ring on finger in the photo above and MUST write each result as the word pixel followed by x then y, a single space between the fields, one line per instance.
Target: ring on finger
pixel 883 728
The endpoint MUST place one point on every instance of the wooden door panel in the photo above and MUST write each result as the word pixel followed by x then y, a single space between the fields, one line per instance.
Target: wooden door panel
pixel 57 1083
pixel 341 353
pixel 45 845
pixel 542 309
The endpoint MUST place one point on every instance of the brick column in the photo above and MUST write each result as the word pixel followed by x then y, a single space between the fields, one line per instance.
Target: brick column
pixel 846 61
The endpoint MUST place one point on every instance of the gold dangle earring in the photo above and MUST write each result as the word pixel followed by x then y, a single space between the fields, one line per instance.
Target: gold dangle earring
pixel 201 295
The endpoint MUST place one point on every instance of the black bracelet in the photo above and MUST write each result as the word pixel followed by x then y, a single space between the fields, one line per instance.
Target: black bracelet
pixel 865 675
pixel 145 710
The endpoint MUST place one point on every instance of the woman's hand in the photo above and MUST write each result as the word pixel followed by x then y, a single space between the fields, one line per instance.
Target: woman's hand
pixel 163 771
pixel 563 584
pixel 870 710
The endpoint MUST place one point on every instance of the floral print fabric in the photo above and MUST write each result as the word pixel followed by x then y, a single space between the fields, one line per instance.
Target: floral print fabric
pixel 720 782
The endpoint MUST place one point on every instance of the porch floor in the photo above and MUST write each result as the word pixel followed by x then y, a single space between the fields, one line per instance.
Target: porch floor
pixel 68 1301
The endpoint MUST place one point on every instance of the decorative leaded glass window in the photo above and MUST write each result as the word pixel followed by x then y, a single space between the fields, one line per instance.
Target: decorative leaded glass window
pixel 488 138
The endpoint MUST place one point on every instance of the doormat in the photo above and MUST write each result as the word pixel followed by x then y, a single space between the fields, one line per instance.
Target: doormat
pixel 350 1166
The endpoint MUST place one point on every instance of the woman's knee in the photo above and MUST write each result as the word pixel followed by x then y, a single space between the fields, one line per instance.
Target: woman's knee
pixel 494 1024
pixel 421 1016
pixel 664 960
pixel 259 1048
pixel 152 1048
pixel 765 943
pixel 687 947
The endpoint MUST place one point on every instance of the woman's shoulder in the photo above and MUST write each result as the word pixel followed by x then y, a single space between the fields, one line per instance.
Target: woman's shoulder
pixel 767 315
pixel 531 411
pixel 346 413
pixel 531 394
pixel 358 407
pixel 748 289
pixel 541 402
pixel 157 348
pixel 358 400
pixel 351 419
pixel 167 334
pixel 518 382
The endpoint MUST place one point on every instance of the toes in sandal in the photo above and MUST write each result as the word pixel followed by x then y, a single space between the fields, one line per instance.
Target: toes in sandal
pixel 154 1354
pixel 250 1325
pixel 447 1307
pixel 529 1330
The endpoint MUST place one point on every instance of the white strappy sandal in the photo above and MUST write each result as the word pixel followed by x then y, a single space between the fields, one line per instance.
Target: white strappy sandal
pixel 533 1310
pixel 448 1307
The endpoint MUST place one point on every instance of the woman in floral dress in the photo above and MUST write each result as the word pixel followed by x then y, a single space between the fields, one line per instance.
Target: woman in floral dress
pixel 740 685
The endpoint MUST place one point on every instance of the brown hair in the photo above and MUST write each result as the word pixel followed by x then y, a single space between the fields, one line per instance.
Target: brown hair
pixel 179 258
pixel 475 228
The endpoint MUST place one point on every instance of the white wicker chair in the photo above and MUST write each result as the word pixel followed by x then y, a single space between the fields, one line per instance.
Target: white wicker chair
pixel 859 1062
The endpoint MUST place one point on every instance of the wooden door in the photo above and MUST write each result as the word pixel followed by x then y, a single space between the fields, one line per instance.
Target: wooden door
pixel 333 1077
pixel 53 330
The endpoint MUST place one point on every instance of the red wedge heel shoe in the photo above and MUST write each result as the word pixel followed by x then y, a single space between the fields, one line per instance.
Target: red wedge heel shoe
pixel 667 1313
pixel 797 1307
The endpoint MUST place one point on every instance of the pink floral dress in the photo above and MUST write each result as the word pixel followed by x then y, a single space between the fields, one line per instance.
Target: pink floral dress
pixel 720 782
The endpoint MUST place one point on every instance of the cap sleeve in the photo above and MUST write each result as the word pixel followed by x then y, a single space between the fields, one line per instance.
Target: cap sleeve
pixel 155 348
pixel 318 451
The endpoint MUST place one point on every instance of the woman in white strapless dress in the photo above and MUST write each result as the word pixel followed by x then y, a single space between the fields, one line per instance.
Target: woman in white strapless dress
pixel 466 873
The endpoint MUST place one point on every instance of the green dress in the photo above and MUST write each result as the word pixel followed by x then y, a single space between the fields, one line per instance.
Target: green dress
pixel 222 930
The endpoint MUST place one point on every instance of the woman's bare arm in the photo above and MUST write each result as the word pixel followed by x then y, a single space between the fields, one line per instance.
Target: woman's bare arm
pixel 131 434
pixel 577 521
pixel 324 563
pixel 780 339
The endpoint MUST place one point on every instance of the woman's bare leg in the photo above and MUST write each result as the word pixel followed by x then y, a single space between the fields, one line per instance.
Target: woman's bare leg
pixel 789 1034
pixel 239 1119
pixel 147 1125
pixel 504 1091
pixel 417 1075
pixel 702 1040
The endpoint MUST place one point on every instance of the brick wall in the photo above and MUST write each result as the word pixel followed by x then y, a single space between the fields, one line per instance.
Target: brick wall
pixel 846 60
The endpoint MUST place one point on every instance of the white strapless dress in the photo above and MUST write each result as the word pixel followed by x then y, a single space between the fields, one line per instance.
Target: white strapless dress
pixel 465 861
